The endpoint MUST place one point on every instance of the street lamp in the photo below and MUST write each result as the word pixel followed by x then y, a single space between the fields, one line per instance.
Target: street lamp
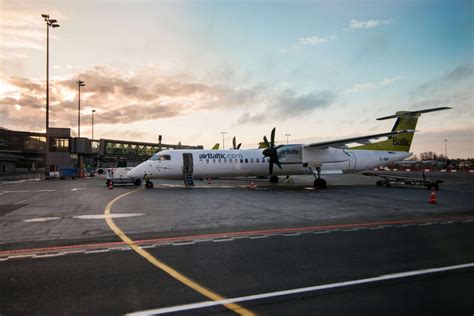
pixel 445 149
pixel 223 145
pixel 93 111
pixel 49 23
pixel 80 84
pixel 287 135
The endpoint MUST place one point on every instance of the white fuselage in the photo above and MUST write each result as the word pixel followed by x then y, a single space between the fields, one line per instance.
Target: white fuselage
pixel 294 159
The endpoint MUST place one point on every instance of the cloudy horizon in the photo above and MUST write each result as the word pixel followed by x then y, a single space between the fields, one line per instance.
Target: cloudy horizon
pixel 189 70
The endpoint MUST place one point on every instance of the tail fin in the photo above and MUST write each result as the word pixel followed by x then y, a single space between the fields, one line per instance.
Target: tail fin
pixel 215 147
pixel 406 120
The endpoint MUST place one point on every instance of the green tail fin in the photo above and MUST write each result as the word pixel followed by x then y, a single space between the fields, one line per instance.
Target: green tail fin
pixel 406 120
pixel 215 147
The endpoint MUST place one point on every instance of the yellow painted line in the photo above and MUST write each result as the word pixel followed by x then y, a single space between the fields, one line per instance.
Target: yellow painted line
pixel 166 268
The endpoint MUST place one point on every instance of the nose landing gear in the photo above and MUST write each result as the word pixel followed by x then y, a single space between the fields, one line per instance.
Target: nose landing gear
pixel 148 184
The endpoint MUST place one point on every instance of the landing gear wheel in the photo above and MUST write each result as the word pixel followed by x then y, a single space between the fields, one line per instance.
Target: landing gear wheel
pixel 149 184
pixel 274 179
pixel 320 184
pixel 137 182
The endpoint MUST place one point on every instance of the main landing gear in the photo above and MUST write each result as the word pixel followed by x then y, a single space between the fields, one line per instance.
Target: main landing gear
pixel 318 182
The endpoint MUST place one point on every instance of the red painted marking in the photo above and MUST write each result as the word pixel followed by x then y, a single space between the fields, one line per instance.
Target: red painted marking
pixel 233 234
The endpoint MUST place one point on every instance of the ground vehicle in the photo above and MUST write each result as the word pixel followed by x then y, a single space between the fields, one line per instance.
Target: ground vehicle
pixel 118 176
pixel 68 172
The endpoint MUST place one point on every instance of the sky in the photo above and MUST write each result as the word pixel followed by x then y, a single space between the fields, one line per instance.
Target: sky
pixel 189 70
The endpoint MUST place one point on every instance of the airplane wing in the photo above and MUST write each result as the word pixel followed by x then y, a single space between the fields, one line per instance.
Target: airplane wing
pixel 342 143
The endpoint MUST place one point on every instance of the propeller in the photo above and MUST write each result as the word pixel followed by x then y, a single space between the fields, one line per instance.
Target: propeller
pixel 271 151
pixel 234 144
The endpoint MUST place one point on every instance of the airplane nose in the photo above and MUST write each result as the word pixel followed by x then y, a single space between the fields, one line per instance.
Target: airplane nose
pixel 134 173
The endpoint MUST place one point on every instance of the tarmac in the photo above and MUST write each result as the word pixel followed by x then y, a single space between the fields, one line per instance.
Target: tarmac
pixel 97 250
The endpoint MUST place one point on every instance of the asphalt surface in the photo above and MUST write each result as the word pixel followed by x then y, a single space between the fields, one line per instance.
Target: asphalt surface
pixel 59 256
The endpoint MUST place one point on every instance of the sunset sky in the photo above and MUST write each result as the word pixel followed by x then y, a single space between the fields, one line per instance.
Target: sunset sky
pixel 318 70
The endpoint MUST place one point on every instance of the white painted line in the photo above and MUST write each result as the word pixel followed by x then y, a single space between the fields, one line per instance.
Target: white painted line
pixel 102 216
pixel 26 191
pixel 77 189
pixel 223 239
pixel 291 235
pixel 48 255
pixel 148 246
pixel 19 256
pixel 96 251
pixel 42 219
pixel 183 243
pixel 385 277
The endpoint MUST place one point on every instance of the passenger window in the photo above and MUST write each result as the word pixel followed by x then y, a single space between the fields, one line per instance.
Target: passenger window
pixel 207 160
pixel 257 160
pixel 246 160
pixel 219 160
pixel 235 160
pixel 225 160
pixel 213 160
pixel 241 161
pixel 251 160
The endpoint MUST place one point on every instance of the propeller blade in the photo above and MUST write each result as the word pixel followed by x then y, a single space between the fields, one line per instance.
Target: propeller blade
pixel 266 141
pixel 233 143
pixel 278 163
pixel 238 146
pixel 272 138
pixel 270 166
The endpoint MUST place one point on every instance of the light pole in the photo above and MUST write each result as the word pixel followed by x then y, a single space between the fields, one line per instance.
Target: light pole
pixel 287 136
pixel 445 149
pixel 49 23
pixel 223 144
pixel 93 111
pixel 80 84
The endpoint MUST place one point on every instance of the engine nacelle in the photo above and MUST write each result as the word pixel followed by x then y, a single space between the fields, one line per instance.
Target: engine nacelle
pixel 290 154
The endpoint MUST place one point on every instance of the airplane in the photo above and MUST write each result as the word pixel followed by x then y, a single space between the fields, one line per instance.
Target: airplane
pixel 321 158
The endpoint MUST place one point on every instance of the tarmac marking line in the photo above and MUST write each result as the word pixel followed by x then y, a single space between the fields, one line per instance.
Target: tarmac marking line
pixel 164 267
pixel 194 306
pixel 240 235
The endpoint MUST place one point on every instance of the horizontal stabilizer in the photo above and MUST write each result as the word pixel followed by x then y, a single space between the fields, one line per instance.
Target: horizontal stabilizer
pixel 413 113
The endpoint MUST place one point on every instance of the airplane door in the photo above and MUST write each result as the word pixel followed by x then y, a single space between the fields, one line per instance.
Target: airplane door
pixel 352 160
pixel 187 163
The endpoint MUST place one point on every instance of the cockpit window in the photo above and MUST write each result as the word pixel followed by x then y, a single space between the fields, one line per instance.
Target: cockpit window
pixel 160 157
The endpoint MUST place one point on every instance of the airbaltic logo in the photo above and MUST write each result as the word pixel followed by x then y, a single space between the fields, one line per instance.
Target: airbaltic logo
pixel 219 156
pixel 400 142
pixel 289 151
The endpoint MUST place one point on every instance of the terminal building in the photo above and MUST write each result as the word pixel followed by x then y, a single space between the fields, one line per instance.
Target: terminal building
pixel 22 152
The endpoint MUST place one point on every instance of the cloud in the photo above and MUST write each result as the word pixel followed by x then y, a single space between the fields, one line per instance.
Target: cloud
pixel 372 85
pixel 146 94
pixel 315 40
pixel 356 24
pixel 288 104
pixel 461 78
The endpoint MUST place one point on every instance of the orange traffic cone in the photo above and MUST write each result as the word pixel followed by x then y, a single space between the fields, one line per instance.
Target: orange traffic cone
pixel 433 199
pixel 111 185
pixel 209 180
pixel 252 186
